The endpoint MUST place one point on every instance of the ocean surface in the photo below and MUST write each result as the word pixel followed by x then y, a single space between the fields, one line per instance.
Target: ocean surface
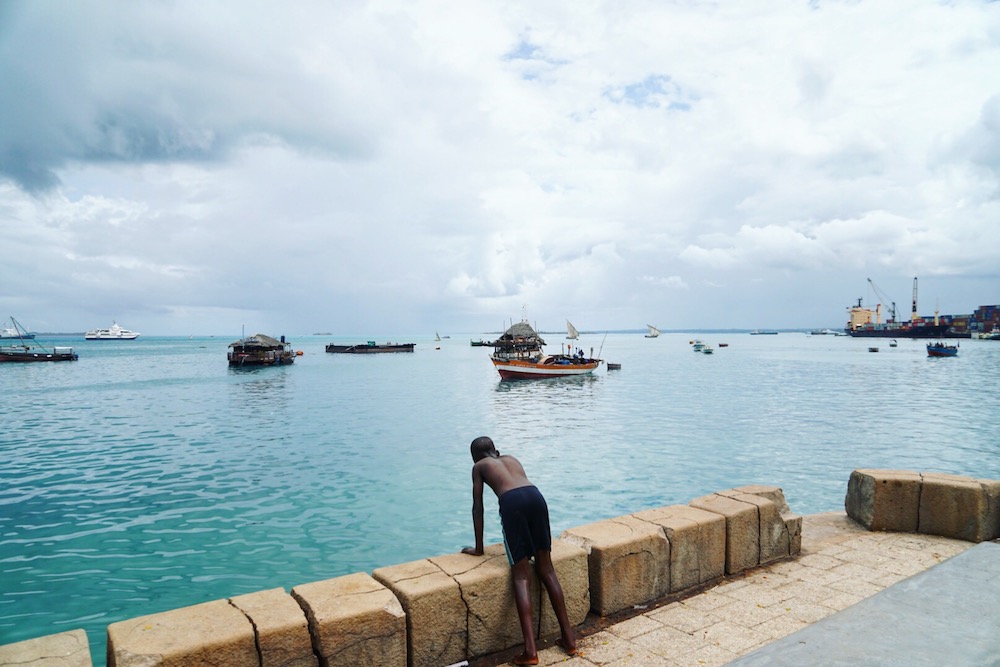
pixel 149 475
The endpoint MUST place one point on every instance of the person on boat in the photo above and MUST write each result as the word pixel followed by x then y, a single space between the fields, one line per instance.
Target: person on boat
pixel 524 517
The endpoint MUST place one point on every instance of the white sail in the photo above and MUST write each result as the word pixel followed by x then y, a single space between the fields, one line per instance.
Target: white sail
pixel 571 332
pixel 653 331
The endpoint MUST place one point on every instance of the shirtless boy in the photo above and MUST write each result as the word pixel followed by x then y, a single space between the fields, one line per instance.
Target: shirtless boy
pixel 524 517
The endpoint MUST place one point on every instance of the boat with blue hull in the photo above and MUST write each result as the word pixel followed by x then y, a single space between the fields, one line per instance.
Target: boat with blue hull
pixel 940 349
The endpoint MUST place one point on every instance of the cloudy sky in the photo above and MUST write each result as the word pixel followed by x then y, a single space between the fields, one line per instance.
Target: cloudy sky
pixel 191 167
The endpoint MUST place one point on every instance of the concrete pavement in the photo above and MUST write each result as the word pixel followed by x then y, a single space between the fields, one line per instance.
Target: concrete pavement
pixel 840 565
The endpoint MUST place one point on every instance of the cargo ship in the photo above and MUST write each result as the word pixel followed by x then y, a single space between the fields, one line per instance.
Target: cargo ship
pixel 865 322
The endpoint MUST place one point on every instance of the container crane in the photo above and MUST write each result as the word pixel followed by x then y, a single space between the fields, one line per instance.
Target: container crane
pixel 913 313
pixel 886 300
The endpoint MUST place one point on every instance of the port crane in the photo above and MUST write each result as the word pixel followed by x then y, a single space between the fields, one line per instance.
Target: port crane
pixel 886 300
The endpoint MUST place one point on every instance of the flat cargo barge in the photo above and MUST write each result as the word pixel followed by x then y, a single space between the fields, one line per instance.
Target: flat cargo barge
pixel 371 347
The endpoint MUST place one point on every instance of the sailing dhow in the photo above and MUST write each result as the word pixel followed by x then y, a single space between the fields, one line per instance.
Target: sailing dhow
pixel 571 332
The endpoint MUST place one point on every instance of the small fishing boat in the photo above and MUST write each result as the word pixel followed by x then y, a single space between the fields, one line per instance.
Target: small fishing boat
pixel 116 332
pixel 653 331
pixel 571 332
pixel 612 366
pixel 942 349
pixel 22 352
pixel 518 355
pixel 480 343
pixel 698 345
pixel 873 349
pixel 260 350
pixel 707 349
pixel 371 347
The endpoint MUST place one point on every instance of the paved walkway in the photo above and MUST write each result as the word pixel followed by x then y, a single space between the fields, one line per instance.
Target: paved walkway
pixel 840 565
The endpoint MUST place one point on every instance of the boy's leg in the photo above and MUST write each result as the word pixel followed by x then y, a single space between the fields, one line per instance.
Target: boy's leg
pixel 520 573
pixel 547 573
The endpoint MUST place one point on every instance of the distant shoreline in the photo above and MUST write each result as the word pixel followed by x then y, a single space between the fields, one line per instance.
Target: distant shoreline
pixel 491 333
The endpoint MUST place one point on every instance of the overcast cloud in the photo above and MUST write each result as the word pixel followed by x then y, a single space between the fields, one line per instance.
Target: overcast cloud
pixel 407 167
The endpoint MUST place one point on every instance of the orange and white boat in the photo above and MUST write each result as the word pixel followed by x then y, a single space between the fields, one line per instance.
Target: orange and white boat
pixel 517 355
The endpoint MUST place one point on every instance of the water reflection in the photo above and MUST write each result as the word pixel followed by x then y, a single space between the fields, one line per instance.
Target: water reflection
pixel 546 386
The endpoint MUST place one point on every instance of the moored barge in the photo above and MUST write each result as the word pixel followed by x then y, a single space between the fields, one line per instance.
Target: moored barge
pixel 371 347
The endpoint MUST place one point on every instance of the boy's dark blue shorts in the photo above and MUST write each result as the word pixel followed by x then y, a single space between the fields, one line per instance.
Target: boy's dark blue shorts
pixel 524 516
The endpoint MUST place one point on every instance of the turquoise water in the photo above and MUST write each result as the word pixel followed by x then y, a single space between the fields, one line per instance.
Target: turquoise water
pixel 149 476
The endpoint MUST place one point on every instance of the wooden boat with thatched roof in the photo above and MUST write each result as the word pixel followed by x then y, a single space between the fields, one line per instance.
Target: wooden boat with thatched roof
pixel 518 355
pixel 260 350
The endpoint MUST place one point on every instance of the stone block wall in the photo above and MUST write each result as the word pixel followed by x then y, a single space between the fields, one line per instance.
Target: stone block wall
pixel 697 543
pixel 932 503
pixel 445 609
pixel 641 557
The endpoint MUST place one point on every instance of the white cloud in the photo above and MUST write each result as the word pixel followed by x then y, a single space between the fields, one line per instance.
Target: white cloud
pixel 419 165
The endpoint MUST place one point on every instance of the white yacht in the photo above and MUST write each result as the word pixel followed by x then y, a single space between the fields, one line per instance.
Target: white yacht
pixel 114 333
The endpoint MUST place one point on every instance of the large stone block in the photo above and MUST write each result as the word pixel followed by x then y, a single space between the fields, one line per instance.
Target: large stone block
pixel 354 620
pixel 485 585
pixel 65 649
pixel 436 617
pixel 991 488
pixel 486 592
pixel 697 543
pixel 628 560
pixel 774 541
pixel 281 627
pixel 793 522
pixel 571 566
pixel 884 499
pixel 954 506
pixel 204 635
pixel 742 529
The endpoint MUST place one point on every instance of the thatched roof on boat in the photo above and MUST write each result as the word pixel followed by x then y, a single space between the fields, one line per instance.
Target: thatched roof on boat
pixel 520 333
pixel 259 340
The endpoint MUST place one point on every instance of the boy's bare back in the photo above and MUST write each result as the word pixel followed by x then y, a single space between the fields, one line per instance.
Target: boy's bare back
pixel 502 473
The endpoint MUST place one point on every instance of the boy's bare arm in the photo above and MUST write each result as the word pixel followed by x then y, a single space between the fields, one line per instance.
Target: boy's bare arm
pixel 477 513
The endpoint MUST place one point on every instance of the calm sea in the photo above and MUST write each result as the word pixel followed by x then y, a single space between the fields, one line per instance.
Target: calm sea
pixel 149 476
